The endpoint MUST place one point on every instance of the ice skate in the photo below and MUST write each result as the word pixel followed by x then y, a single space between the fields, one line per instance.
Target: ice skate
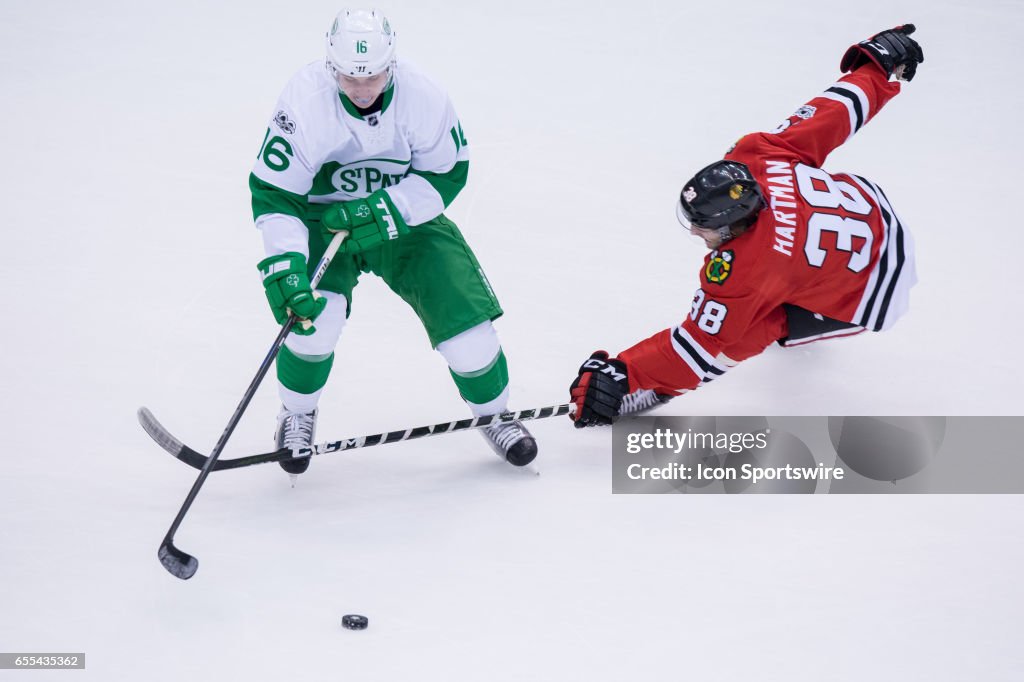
pixel 512 442
pixel 295 430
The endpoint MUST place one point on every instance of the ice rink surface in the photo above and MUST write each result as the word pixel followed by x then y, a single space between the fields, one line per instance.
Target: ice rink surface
pixel 129 278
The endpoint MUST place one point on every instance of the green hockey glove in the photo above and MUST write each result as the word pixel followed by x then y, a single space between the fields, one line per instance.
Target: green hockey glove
pixel 369 222
pixel 288 290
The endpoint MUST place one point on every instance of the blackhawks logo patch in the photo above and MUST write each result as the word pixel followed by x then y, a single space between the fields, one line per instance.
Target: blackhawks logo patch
pixel 719 267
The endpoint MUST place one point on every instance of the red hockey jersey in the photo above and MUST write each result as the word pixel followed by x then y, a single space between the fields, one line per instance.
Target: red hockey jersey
pixel 829 243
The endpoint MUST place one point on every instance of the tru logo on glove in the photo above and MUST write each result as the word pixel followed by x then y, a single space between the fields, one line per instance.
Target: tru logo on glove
pixel 370 222
pixel 389 221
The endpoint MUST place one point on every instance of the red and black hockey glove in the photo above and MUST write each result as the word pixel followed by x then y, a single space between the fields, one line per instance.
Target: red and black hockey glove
pixel 894 51
pixel 598 390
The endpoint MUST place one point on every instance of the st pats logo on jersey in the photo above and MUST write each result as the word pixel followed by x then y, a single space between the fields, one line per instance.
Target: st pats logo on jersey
pixel 719 267
pixel 360 178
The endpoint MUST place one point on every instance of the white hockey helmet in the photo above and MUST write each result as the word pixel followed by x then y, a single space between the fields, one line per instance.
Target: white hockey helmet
pixel 360 44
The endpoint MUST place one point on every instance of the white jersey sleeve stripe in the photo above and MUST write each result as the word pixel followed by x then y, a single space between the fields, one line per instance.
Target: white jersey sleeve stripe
pixel 706 358
pixel 861 99
pixel 700 362
pixel 855 101
pixel 688 354
pixel 846 102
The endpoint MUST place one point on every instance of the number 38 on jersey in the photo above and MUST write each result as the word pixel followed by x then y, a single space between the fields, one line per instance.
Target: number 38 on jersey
pixel 708 314
pixel 821 191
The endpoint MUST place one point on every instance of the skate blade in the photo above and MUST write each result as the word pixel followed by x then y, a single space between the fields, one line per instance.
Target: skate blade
pixel 525 470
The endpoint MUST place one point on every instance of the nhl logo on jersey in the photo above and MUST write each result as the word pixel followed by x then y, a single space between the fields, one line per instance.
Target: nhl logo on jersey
pixel 284 123
pixel 719 267
pixel 372 120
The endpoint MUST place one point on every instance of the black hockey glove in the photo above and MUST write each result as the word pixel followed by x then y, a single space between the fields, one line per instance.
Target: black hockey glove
pixel 598 390
pixel 893 50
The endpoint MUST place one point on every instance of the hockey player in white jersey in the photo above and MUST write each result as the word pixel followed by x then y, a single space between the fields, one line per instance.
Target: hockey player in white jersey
pixel 364 143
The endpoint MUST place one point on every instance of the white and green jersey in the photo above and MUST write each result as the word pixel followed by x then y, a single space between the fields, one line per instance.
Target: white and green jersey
pixel 319 149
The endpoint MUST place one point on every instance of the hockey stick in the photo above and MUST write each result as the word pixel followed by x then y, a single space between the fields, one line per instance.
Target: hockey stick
pixel 181 564
pixel 196 460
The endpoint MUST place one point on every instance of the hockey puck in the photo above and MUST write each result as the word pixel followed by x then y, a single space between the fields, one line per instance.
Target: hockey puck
pixel 355 622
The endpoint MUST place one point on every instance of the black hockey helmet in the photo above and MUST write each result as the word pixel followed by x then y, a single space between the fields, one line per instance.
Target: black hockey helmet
pixel 719 195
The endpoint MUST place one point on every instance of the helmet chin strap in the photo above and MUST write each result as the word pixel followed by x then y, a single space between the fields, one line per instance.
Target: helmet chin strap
pixel 724 233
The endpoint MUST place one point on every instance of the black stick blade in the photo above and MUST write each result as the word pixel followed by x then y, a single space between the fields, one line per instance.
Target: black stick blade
pixel 178 563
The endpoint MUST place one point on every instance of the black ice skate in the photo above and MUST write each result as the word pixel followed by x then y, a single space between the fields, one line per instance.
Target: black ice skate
pixel 295 430
pixel 512 442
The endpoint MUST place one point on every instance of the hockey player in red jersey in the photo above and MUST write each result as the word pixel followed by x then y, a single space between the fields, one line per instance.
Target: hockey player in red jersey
pixel 797 254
